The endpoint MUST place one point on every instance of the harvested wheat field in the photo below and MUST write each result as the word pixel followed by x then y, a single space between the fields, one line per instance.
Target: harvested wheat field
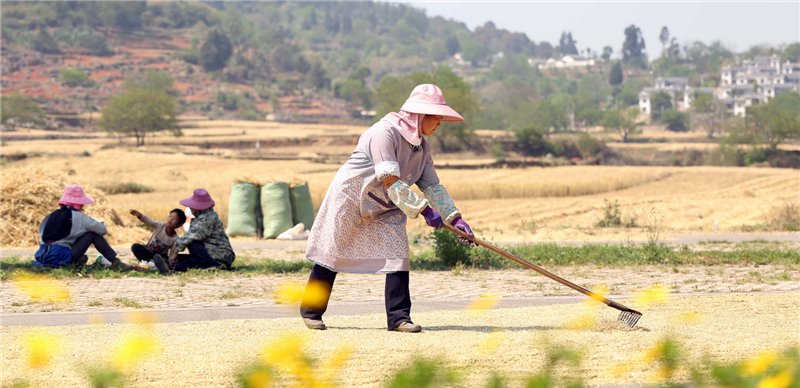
pixel 505 205
pixel 511 342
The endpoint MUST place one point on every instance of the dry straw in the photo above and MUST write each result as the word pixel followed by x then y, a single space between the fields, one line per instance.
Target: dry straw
pixel 27 197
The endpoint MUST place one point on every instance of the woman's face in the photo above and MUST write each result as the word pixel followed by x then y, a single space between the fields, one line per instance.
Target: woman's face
pixel 429 124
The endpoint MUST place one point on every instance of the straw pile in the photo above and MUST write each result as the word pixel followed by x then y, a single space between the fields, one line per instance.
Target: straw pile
pixel 26 198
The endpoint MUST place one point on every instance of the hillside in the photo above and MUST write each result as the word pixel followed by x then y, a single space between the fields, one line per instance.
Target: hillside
pixel 298 61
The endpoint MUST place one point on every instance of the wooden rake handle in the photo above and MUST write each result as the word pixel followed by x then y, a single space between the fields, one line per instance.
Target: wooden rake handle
pixel 540 270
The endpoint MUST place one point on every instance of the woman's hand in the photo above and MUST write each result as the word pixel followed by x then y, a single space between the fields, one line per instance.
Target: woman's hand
pixel 136 213
pixel 462 225
pixel 432 218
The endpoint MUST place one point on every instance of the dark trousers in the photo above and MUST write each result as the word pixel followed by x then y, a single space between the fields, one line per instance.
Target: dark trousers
pixel 198 257
pixel 142 253
pixel 396 294
pixel 83 242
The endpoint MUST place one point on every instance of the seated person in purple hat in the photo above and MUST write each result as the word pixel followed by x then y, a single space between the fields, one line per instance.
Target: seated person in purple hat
pixel 206 240
pixel 67 233
pixel 163 238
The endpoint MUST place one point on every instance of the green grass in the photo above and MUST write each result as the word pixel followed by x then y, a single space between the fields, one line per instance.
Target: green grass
pixel 544 255
pixel 550 255
pixel 243 266
pixel 128 302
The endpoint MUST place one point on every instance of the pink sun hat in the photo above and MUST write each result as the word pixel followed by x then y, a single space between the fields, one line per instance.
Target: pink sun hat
pixel 428 99
pixel 199 200
pixel 74 195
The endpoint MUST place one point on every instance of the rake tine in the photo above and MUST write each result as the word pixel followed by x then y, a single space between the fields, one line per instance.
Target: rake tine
pixel 629 318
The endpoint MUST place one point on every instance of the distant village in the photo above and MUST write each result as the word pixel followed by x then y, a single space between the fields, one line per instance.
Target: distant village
pixel 754 81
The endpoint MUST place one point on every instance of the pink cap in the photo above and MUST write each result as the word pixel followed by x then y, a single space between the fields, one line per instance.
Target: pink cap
pixel 74 195
pixel 428 99
pixel 199 200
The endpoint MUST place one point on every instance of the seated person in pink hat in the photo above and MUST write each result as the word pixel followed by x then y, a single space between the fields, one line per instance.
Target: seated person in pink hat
pixel 361 223
pixel 67 233
pixel 206 240
pixel 162 239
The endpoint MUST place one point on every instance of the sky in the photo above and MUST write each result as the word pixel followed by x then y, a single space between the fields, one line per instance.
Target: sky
pixel 595 24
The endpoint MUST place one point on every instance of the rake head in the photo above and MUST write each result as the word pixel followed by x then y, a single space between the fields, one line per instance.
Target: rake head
pixel 629 317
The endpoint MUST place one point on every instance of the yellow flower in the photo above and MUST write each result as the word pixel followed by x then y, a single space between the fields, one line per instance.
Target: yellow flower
pixel 42 288
pixel 600 290
pixel 283 350
pixel 141 318
pixel 335 363
pixel 652 295
pixel 621 369
pixel 41 348
pixel 132 348
pixel 314 294
pixel 492 342
pixel 483 303
pixel 759 363
pixel 654 353
pixel 781 380
pixel 259 379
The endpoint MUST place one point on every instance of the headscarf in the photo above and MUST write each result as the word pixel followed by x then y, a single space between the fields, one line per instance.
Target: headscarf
pixel 408 124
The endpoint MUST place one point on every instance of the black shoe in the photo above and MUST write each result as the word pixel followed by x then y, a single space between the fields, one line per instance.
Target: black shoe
pixel 161 264
pixel 118 265
pixel 80 262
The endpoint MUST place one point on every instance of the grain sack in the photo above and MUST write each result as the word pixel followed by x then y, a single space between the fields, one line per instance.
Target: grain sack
pixel 302 208
pixel 243 210
pixel 276 206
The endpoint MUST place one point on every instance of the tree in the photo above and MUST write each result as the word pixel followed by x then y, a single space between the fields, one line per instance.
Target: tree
pixel 709 112
pixel 567 45
pixel 216 51
pixel 633 47
pixel 791 53
pixel 623 121
pixel 659 102
pixel 16 109
pixel 676 121
pixel 615 78
pixel 664 38
pixel 125 15
pixel 143 107
pixel 532 141
pixel 607 51
pixel 44 43
pixel 775 122
pixel 391 92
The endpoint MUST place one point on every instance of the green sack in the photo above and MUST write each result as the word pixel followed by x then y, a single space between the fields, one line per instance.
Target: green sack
pixel 243 210
pixel 276 208
pixel 302 208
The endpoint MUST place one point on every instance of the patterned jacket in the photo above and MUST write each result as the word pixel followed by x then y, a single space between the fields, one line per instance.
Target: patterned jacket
pixel 207 228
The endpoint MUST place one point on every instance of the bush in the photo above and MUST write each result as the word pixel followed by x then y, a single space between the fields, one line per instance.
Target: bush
pixel 449 250
pixel 74 77
pixel 786 217
pixel 612 217
pixel 531 141
pixel 125 188
pixel 676 121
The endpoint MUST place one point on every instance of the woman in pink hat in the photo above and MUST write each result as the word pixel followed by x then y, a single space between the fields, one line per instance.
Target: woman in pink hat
pixel 206 239
pixel 67 233
pixel 361 224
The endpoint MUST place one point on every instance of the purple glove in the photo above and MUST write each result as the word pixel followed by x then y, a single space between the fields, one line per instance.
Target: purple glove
pixel 432 218
pixel 462 225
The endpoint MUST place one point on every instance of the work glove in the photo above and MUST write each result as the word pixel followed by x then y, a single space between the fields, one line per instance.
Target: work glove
pixel 462 225
pixel 432 217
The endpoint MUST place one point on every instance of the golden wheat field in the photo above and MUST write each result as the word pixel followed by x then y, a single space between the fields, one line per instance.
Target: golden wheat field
pixel 531 204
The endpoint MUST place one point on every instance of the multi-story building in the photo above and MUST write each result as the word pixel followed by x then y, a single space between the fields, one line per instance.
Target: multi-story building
pixel 753 81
